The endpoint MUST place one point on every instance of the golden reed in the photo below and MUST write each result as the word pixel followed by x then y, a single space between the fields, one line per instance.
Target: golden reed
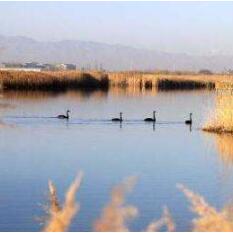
pixel 166 80
pixel 114 216
pixel 62 80
pixel 209 219
pixel 116 213
pixel 221 120
pixel 60 217
pixel 54 81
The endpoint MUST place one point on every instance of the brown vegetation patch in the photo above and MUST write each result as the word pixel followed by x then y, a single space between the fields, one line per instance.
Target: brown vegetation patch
pixel 54 81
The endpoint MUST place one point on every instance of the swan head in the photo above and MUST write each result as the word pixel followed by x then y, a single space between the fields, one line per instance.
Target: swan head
pixel 67 113
pixel 120 115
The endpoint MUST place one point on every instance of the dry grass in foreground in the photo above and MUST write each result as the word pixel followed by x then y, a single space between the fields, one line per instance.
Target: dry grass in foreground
pixel 60 217
pixel 116 214
pixel 209 219
pixel 222 119
pixel 114 217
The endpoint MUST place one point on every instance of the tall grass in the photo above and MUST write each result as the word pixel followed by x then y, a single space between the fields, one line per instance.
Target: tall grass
pixel 116 214
pixel 55 81
pixel 164 81
pixel 169 84
pixel 62 80
pixel 165 220
pixel 208 218
pixel 114 217
pixel 221 120
pixel 60 217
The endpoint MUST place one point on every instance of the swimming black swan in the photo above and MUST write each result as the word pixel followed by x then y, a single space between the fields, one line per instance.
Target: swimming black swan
pixel 190 121
pixel 118 119
pixel 151 119
pixel 67 116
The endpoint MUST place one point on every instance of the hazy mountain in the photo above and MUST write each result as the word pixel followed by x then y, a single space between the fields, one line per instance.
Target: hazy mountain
pixel 112 57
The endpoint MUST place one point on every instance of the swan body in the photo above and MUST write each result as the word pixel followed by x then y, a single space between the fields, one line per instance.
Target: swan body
pixel 67 116
pixel 151 119
pixel 120 119
pixel 190 121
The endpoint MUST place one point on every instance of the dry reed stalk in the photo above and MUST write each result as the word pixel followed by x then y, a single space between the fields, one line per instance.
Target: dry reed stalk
pixel 209 219
pixel 164 80
pixel 222 119
pixel 60 217
pixel 116 214
pixel 54 203
pixel 165 220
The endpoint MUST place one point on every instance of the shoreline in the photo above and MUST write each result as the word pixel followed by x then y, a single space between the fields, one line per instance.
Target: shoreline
pixel 72 80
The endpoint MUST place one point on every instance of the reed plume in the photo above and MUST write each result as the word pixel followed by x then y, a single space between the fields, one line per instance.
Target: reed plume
pixel 60 217
pixel 166 220
pixel 116 214
pixel 54 203
pixel 209 219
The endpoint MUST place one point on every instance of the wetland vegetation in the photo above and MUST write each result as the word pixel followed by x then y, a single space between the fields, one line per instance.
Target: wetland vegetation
pixel 63 80
pixel 148 92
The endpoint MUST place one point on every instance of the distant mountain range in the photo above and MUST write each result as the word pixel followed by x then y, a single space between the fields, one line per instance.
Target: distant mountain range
pixel 111 57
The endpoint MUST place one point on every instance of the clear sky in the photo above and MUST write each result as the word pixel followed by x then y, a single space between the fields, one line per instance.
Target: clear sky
pixel 183 27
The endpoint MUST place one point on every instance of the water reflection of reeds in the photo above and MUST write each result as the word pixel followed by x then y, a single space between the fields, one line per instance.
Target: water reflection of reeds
pixel 133 91
pixel 41 95
pixel 75 94
pixel 224 145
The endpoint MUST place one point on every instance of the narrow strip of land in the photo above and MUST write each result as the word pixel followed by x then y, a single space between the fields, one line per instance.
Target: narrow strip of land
pixel 63 80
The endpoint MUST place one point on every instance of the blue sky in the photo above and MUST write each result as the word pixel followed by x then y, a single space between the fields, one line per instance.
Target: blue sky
pixel 183 27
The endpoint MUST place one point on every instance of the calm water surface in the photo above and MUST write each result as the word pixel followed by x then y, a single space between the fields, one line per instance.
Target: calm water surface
pixel 35 148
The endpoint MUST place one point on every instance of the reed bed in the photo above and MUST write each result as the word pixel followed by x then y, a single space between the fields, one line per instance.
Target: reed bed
pixel 54 81
pixel 62 80
pixel 169 84
pixel 163 81
pixel 221 120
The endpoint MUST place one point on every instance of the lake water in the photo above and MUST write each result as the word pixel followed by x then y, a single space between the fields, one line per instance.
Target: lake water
pixel 35 148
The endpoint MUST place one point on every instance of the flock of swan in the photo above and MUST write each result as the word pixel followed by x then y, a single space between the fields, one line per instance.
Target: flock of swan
pixel 120 119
